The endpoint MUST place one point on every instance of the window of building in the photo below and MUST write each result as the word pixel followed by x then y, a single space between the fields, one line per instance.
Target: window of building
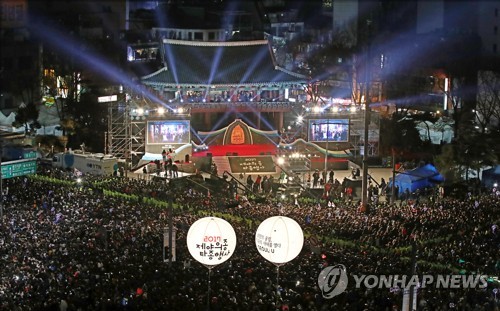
pixel 49 73
pixel 211 35
pixel 198 36
pixel 282 30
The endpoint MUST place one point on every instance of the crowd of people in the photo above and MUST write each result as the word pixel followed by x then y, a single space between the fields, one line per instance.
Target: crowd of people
pixel 74 246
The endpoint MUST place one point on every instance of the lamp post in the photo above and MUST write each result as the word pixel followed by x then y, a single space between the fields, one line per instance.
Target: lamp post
pixel 326 146
pixel 393 185
pixel 326 151
pixel 364 182
pixel 1 184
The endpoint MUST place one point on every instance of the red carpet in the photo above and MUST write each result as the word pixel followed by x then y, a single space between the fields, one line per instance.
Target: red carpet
pixel 239 150
pixel 330 160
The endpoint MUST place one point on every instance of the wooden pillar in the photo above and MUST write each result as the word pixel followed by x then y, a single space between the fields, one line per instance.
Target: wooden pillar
pixel 207 121
pixel 279 121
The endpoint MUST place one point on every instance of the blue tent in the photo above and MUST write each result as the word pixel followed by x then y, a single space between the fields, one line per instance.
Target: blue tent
pixel 419 178
pixel 491 176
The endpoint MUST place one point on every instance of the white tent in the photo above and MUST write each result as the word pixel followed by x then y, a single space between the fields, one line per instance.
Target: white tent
pixel 47 117
pixel 440 131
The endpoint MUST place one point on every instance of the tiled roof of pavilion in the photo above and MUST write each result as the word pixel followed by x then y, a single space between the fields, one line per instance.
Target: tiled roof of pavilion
pixel 219 64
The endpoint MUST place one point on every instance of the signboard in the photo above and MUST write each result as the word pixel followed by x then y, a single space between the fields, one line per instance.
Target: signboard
pixel 255 164
pixel 107 99
pixel 29 155
pixel 18 168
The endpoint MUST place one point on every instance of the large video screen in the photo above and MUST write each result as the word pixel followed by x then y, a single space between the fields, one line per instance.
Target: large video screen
pixel 168 132
pixel 329 130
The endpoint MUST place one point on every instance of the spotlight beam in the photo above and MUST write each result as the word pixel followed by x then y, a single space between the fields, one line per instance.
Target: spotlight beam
pixel 215 63
pixel 99 64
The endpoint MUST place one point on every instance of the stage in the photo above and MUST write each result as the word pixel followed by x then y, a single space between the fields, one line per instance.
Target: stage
pixel 237 150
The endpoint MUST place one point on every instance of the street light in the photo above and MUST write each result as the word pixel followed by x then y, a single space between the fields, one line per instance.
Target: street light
pixel 1 184
pixel 326 151
pixel 393 185
pixel 364 182
pixel 326 146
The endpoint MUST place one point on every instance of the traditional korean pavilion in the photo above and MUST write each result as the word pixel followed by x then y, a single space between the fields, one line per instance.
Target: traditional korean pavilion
pixel 217 81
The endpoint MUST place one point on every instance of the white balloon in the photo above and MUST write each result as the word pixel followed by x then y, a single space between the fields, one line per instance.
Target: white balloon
pixel 211 241
pixel 279 239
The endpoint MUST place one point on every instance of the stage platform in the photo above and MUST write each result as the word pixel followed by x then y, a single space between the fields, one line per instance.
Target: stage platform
pixel 163 175
pixel 237 150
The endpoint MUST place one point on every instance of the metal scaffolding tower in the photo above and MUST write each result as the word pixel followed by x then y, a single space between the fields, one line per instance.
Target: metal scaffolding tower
pixel 119 128
pixel 357 136
pixel 126 130
pixel 137 138
pixel 127 119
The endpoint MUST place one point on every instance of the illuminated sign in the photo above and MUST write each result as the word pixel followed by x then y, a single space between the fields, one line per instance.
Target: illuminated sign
pixel 107 99
pixel 30 155
pixel 256 164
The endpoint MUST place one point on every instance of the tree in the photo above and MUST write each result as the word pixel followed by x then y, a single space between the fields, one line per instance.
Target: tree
pixel 27 116
pixel 332 69
pixel 427 119
pixel 90 123
pixel 446 164
pixel 471 152
pixel 488 100
pixel 460 60
pixel 64 83
pixel 24 85
pixel 442 125
pixel 477 145
pixel 81 118
pixel 399 131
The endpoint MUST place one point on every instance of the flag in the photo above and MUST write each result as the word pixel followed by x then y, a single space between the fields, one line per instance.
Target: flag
pixel 58 218
pixel 77 173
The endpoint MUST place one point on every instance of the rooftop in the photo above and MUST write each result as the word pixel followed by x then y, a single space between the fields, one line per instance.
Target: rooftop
pixel 219 64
